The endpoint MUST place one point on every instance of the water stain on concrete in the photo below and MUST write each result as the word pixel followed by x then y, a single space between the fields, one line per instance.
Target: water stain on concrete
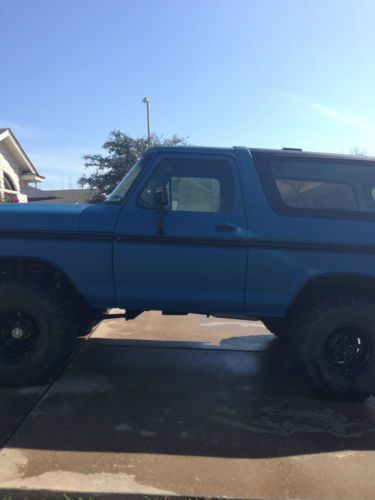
pixel 27 391
pixel 283 417
pixel 14 461
pixel 125 427
pixel 71 384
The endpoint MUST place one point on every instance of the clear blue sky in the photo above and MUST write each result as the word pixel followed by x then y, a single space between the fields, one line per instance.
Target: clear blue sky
pixel 268 73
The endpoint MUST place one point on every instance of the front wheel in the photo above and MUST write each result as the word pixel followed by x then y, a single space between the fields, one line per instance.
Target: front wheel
pixel 35 332
pixel 334 337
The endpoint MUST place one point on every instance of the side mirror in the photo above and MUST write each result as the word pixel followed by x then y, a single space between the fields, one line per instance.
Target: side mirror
pixel 161 198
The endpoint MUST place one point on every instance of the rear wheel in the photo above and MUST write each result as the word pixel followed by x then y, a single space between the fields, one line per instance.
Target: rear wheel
pixel 335 339
pixel 277 326
pixel 35 332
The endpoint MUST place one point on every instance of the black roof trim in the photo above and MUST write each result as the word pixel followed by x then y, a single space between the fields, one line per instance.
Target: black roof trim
pixel 307 154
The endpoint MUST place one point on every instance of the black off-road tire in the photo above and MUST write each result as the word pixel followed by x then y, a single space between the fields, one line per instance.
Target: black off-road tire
pixel 277 326
pixel 334 338
pixel 43 317
pixel 87 319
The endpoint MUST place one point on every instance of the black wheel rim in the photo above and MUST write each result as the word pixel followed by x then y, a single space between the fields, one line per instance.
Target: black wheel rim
pixel 19 336
pixel 348 349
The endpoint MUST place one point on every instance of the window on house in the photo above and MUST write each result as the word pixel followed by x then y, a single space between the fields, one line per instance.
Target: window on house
pixel 8 183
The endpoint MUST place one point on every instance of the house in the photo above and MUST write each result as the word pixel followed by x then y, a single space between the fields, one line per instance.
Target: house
pixel 67 196
pixel 17 172
pixel 16 169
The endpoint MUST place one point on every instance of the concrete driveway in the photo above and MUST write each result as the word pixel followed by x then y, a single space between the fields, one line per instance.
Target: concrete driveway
pixel 184 407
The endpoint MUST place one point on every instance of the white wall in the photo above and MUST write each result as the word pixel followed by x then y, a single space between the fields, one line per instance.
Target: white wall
pixel 8 165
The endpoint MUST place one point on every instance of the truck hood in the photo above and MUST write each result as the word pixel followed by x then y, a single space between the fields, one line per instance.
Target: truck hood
pixel 40 217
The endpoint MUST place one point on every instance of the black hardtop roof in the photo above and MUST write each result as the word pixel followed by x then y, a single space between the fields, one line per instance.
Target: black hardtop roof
pixel 307 154
pixel 259 152
pixel 188 149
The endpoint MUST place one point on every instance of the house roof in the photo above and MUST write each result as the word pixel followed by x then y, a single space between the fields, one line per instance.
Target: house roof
pixel 8 138
pixel 70 196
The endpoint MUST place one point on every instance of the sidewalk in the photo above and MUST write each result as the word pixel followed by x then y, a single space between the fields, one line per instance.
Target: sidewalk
pixel 185 406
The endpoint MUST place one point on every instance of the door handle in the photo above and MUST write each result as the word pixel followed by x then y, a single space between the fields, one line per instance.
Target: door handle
pixel 226 228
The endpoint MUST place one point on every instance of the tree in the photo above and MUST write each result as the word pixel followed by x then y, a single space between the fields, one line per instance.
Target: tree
pixel 358 151
pixel 122 153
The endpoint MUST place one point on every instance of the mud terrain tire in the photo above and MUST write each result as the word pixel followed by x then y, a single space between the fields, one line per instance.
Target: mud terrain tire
pixel 278 327
pixel 36 327
pixel 334 337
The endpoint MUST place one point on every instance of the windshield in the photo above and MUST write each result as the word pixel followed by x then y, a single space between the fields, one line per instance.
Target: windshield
pixel 123 188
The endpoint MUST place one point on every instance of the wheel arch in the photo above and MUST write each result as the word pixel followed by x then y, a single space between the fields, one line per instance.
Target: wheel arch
pixel 19 267
pixel 359 284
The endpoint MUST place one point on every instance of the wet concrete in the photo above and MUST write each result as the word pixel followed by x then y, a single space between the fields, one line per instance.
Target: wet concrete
pixel 215 412
pixel 14 405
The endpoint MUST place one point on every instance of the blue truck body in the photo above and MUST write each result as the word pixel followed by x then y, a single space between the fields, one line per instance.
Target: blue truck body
pixel 286 237
pixel 113 257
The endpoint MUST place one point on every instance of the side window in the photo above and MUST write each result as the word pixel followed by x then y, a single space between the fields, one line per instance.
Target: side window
pixel 316 195
pixel 192 185
pixel 195 194
pixel 323 185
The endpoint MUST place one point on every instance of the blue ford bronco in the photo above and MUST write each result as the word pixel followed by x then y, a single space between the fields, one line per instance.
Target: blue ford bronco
pixel 281 236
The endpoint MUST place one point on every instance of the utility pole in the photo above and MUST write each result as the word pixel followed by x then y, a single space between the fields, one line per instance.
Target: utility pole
pixel 147 102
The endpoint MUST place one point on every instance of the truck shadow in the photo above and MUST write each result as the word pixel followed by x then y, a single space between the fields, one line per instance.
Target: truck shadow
pixel 155 397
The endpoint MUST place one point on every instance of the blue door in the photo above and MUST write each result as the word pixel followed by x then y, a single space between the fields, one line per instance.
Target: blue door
pixel 189 256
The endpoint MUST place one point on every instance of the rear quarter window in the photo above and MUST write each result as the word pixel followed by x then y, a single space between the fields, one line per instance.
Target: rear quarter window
pixel 320 186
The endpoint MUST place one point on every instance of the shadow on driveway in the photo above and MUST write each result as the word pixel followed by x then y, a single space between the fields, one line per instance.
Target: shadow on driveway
pixel 139 397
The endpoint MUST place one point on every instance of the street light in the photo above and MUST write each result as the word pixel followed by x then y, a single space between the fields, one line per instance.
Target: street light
pixel 147 102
